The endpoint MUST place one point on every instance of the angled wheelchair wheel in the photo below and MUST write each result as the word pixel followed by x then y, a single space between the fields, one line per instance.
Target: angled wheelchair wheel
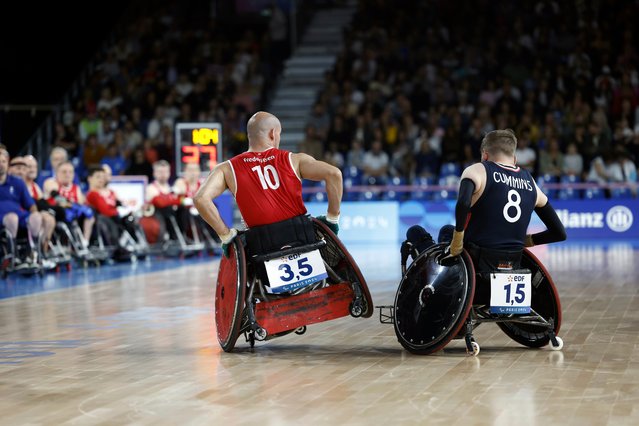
pixel 545 301
pixel 433 301
pixel 230 292
pixel 340 260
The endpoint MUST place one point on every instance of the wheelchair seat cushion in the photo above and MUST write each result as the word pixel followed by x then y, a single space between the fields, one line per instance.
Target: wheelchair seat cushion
pixel 294 232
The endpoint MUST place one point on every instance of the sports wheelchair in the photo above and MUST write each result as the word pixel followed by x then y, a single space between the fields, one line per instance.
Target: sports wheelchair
pixel 438 301
pixel 12 250
pixel 247 302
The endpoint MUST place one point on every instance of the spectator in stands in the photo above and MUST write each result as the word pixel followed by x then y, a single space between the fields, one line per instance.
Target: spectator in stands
pixel 320 120
pixel 312 144
pixel 526 156
pixel 17 208
pixel 426 161
pixel 333 156
pixel 573 161
pixel 139 165
pixel 355 155
pixel 551 159
pixel 376 163
pixel 93 151
pixel 114 159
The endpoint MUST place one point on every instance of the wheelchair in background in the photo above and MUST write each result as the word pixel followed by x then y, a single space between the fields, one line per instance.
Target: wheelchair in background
pixel 278 292
pixel 437 303
pixel 20 254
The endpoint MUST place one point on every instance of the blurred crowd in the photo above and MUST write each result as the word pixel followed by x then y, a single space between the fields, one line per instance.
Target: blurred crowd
pixel 412 93
pixel 418 84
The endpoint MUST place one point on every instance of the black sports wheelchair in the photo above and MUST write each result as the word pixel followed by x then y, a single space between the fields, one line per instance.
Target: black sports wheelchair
pixel 441 299
pixel 21 254
pixel 281 277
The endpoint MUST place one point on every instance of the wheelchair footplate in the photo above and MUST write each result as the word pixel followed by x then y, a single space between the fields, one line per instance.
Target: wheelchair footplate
pixel 295 311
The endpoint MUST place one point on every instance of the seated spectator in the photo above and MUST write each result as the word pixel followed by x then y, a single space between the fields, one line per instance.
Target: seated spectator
pixel 426 161
pixel 93 151
pixel 573 161
pixel 312 144
pixel 526 156
pixel 139 166
pixel 61 191
pixel 551 159
pixel 333 156
pixel 355 155
pixel 376 163
pixel 402 161
pixel 17 208
pixel 604 168
pixel 57 156
pixel 114 159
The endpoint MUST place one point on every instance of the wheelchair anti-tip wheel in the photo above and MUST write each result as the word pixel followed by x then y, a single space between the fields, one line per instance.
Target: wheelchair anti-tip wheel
pixel 230 293
pixel 433 302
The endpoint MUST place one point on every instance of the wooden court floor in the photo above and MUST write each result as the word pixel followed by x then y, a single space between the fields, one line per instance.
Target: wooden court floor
pixel 141 350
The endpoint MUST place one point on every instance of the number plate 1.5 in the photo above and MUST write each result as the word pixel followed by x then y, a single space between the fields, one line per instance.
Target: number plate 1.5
pixel 295 271
pixel 510 293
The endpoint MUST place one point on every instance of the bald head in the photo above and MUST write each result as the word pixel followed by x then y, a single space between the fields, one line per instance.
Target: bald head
pixel 32 167
pixel 263 131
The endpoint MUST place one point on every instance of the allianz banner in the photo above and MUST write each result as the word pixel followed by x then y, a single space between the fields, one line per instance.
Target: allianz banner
pixel 582 218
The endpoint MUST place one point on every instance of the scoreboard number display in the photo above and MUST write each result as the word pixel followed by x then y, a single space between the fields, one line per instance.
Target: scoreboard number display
pixel 199 143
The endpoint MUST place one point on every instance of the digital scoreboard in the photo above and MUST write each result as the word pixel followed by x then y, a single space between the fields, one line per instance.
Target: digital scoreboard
pixel 199 143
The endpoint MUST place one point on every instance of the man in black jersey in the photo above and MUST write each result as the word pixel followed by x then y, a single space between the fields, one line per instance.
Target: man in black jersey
pixel 495 203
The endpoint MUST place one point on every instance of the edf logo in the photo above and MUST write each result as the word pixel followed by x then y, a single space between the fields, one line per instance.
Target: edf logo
pixel 619 218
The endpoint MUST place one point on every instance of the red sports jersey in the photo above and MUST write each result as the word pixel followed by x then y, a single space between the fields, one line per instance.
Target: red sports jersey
pixel 165 198
pixel 191 190
pixel 268 189
pixel 105 204
pixel 70 192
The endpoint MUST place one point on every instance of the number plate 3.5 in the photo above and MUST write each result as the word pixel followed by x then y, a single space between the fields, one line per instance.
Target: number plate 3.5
pixel 295 271
pixel 510 293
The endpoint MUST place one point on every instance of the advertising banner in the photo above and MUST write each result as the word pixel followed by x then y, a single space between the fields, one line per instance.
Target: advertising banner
pixel 583 219
pixel 364 222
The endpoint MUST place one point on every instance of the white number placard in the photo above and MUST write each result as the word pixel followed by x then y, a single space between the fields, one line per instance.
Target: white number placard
pixel 295 271
pixel 510 293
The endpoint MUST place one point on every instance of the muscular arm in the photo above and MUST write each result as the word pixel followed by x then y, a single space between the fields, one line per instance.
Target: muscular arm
pixel 310 168
pixel 214 185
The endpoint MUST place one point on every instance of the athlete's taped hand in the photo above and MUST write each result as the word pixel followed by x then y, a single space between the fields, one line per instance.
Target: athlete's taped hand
pixel 331 221
pixel 453 250
pixel 227 240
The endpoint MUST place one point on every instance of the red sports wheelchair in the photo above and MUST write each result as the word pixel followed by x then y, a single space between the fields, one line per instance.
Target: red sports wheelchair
pixel 246 301
pixel 436 303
